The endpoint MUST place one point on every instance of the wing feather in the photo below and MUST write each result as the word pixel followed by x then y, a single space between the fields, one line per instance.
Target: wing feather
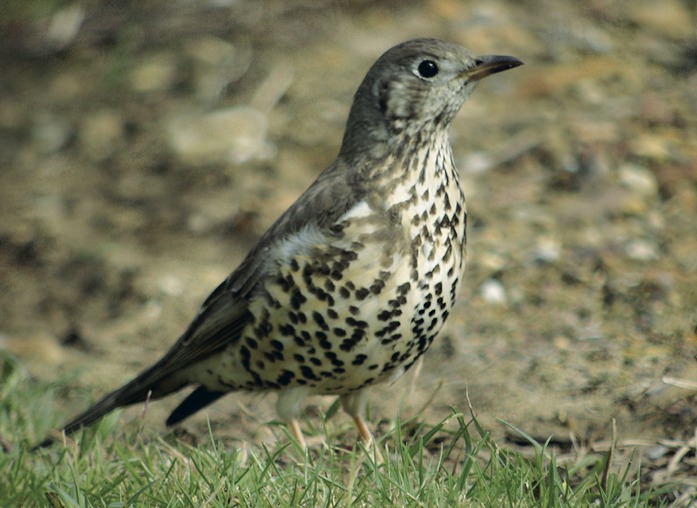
pixel 224 314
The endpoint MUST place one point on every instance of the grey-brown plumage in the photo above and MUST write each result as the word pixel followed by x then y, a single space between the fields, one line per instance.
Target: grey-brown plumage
pixel 351 284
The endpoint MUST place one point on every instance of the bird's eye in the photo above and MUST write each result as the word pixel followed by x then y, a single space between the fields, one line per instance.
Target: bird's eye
pixel 427 69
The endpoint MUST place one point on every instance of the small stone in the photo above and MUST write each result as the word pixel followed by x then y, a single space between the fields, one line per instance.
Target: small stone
pixel 51 133
pixel 655 110
pixel 64 26
pixel 155 74
pixel 493 292
pixel 211 50
pixel 100 133
pixel 656 452
pixel 650 146
pixel 491 260
pixel 596 130
pixel 41 347
pixel 67 86
pixel 547 250
pixel 217 63
pixel 232 135
pixel 641 250
pixel 273 88
pixel 667 18
pixel 199 223
pixel 171 285
pixel 477 162
pixel 561 342
pixel 638 179
pixel 633 204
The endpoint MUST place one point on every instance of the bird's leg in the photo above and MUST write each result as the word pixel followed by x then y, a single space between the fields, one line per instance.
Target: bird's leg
pixel 297 433
pixel 288 406
pixel 363 431
pixel 367 438
pixel 354 404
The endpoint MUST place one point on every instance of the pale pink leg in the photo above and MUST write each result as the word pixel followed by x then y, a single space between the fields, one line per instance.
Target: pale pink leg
pixel 294 428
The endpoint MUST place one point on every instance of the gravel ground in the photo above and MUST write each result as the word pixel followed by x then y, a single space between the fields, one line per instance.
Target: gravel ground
pixel 144 149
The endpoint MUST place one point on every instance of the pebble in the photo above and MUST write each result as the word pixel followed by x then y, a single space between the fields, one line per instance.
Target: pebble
pixel 641 250
pixel 547 250
pixel 234 135
pixel 100 133
pixel 156 73
pixel 40 347
pixel 493 292
pixel 650 146
pixel 633 204
pixel 667 18
pixel 638 179
pixel 491 260
pixel 656 110
pixel 171 285
pixel 51 133
pixel 64 26
pixel 477 162
pixel 656 452
pixel 211 50
pixel 217 63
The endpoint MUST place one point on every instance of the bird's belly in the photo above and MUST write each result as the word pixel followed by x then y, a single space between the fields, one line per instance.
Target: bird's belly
pixel 344 318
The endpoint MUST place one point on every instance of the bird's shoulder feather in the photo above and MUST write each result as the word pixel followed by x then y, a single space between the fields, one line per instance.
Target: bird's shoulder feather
pixel 224 313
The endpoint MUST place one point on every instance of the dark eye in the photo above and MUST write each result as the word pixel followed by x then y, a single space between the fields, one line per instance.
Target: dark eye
pixel 428 69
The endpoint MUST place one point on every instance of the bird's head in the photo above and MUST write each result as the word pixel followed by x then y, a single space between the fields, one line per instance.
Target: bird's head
pixel 419 84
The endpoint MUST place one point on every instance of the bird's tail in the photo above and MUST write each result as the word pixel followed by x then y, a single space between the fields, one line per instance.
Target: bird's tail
pixel 148 385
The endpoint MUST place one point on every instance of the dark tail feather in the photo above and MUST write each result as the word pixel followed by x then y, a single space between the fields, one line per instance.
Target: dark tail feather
pixel 198 399
pixel 149 384
pixel 124 396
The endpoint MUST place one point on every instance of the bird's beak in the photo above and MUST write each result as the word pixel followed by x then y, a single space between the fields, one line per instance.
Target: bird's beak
pixel 490 64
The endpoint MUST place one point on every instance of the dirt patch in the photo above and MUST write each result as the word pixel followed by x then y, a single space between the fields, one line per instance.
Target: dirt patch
pixel 117 217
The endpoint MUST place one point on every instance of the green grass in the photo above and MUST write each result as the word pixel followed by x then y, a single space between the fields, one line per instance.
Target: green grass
pixel 451 463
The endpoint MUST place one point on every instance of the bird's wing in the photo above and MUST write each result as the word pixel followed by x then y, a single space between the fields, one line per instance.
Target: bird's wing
pixel 224 313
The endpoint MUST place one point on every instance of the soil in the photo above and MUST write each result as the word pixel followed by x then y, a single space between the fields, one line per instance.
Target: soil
pixel 143 149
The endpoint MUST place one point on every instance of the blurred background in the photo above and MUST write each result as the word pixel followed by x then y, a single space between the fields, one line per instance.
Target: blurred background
pixel 144 146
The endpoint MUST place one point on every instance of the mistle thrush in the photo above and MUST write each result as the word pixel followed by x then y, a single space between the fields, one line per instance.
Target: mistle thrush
pixel 351 284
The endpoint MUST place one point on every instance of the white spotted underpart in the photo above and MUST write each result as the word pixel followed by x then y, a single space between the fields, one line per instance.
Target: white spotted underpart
pixel 355 306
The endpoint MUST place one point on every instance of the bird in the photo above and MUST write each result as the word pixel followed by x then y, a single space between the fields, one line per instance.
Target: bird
pixel 352 283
